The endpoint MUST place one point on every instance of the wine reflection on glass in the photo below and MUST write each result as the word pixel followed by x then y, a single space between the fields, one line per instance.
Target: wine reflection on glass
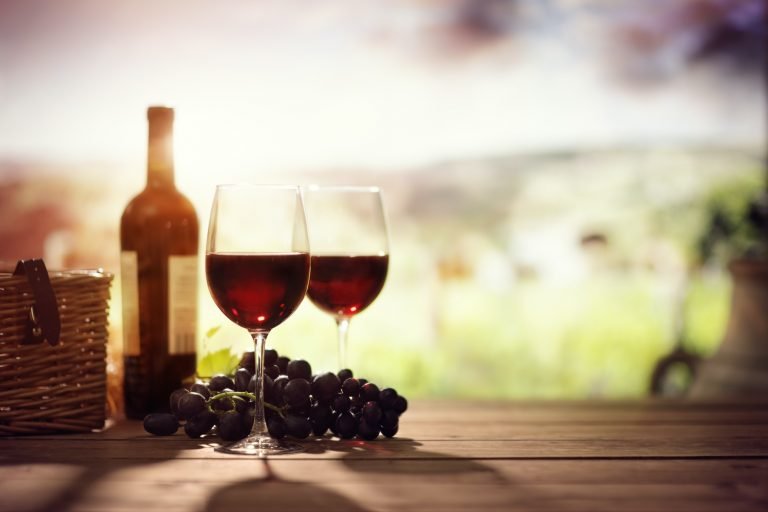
pixel 350 252
pixel 257 268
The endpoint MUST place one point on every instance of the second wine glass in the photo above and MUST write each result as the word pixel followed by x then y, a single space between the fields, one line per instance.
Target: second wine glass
pixel 350 252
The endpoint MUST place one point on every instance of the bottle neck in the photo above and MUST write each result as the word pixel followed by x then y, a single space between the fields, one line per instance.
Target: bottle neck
pixel 160 156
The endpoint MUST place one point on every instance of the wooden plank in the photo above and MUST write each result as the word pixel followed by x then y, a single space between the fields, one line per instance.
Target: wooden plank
pixel 590 413
pixel 517 432
pixel 524 472
pixel 483 431
pixel 179 447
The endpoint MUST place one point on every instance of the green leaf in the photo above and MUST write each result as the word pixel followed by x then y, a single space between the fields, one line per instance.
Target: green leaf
pixel 221 361
pixel 210 333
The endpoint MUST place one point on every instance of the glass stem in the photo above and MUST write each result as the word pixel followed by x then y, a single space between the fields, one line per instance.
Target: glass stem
pixel 259 425
pixel 342 323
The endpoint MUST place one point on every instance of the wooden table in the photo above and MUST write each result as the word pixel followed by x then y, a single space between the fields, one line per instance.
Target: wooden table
pixel 448 456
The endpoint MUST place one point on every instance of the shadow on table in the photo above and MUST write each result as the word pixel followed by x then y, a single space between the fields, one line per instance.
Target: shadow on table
pixel 401 472
pixel 388 460
pixel 104 459
pixel 442 481
pixel 273 493
pixel 407 453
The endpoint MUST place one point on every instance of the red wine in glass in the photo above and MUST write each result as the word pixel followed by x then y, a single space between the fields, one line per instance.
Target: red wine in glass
pixel 257 291
pixel 345 285
pixel 350 252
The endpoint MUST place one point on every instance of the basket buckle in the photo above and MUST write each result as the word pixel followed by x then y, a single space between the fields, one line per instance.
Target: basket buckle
pixel 43 323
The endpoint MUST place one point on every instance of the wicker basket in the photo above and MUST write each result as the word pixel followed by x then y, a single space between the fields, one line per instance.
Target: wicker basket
pixel 47 388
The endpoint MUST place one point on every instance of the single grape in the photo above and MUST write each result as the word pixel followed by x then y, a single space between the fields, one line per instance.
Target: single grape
pixel 296 392
pixel 324 400
pixel 325 386
pixel 345 374
pixel 387 398
pixel 241 404
pixel 367 431
pixel 356 405
pixel 319 429
pixel 247 361
pixel 277 427
pixel 321 418
pixel 401 405
pixel 200 424
pixel 231 427
pixel 228 403
pixel 242 378
pixel 190 405
pixel 202 389
pixel 333 428
pixel 220 383
pixel 224 404
pixel 268 385
pixel 278 390
pixel 161 424
pixel 362 382
pixel 389 419
pixel 299 369
pixel 369 392
pixel 346 426
pixel 272 370
pixel 351 387
pixel 282 363
pixel 298 426
pixel 301 409
pixel 341 403
pixel 270 357
pixel 389 431
pixel 372 413
pixel 247 416
pixel 174 399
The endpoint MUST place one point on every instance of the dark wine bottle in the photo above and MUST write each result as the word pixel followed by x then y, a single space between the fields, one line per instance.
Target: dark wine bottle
pixel 159 265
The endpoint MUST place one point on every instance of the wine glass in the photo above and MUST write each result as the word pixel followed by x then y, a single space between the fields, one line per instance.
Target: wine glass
pixel 257 268
pixel 350 252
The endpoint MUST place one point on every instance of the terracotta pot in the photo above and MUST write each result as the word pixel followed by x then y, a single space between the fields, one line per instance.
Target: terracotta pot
pixel 739 369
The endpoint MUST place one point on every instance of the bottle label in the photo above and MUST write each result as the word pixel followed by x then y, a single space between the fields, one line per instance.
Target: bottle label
pixel 129 271
pixel 182 304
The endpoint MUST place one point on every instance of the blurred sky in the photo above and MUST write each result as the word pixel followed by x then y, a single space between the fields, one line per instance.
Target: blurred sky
pixel 299 84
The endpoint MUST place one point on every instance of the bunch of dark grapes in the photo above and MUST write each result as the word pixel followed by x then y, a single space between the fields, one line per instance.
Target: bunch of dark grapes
pixel 297 404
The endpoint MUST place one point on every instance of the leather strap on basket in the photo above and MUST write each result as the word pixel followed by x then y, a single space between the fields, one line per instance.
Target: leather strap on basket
pixel 43 323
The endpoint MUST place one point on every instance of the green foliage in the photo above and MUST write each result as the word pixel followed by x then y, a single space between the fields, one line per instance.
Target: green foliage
pixel 728 232
pixel 220 361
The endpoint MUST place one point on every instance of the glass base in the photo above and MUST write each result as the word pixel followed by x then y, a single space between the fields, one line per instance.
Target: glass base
pixel 260 446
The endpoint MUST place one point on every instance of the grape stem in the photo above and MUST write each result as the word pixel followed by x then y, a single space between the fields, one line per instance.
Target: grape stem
pixel 245 394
